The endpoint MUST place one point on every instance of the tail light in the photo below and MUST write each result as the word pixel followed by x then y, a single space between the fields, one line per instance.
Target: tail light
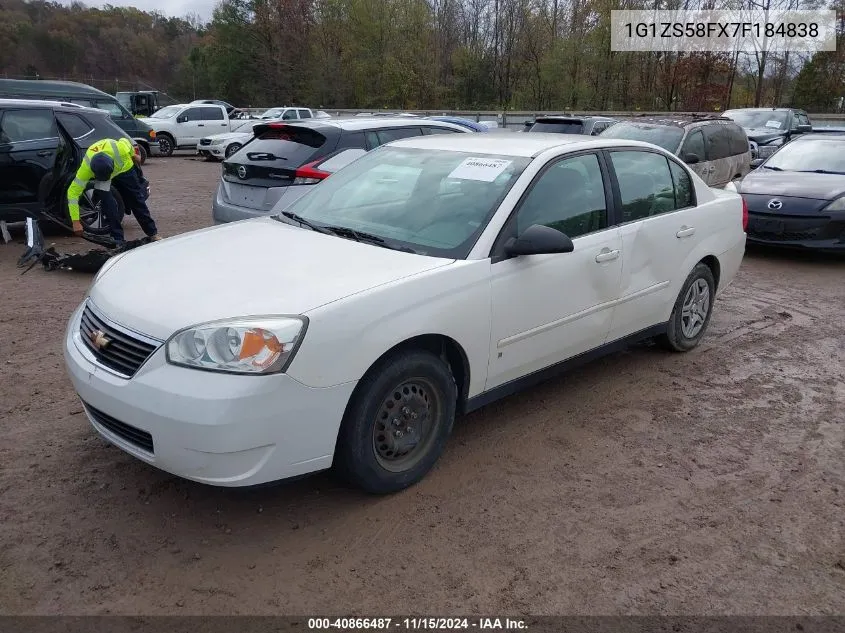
pixel 310 175
pixel 744 215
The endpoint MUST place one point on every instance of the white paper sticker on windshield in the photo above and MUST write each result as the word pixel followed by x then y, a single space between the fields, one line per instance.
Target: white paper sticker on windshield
pixel 774 124
pixel 484 169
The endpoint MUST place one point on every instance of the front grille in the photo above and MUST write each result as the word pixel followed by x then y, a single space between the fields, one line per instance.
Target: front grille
pixel 136 437
pixel 119 350
pixel 787 229
pixel 205 141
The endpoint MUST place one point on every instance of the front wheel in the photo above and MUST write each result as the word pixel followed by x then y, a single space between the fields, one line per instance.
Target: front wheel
pixel 397 423
pixel 234 147
pixel 692 311
pixel 142 153
pixel 166 145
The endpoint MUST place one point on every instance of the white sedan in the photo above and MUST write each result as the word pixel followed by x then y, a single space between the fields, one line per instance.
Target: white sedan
pixel 426 279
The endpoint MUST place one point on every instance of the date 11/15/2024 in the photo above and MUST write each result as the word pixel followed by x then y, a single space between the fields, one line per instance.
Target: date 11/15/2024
pixel 416 624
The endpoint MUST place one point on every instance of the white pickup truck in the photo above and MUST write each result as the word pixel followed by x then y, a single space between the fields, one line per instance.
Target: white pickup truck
pixel 182 126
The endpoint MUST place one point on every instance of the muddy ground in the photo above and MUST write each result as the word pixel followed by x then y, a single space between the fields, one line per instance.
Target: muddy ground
pixel 711 482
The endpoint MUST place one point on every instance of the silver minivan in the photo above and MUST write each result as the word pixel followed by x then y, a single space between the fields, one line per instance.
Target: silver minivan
pixel 715 148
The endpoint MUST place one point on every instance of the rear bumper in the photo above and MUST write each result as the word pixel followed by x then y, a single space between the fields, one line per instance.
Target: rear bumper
pixel 224 210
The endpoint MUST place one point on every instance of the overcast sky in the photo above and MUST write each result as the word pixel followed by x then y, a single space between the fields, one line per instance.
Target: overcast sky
pixel 173 8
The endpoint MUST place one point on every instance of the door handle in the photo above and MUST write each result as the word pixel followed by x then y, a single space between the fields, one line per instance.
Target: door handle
pixel 200 124
pixel 606 255
pixel 44 152
pixel 685 231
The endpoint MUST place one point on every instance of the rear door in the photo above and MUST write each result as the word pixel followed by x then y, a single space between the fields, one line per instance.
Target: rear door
pixel 693 146
pixel 717 142
pixel 257 175
pixel 212 120
pixel 28 145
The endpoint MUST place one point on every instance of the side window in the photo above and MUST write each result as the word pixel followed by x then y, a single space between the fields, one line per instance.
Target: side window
pixel 193 114
pixel 111 107
pixel 211 114
pixel 394 134
pixel 598 128
pixel 684 196
pixel 74 125
pixel 694 144
pixel 353 140
pixel 803 119
pixel 289 115
pixel 304 114
pixel 439 130
pixel 87 103
pixel 738 140
pixel 717 142
pixel 27 125
pixel 569 197
pixel 645 184
pixel 372 140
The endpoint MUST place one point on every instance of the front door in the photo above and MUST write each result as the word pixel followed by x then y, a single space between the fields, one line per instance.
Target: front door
pixel 28 145
pixel 547 308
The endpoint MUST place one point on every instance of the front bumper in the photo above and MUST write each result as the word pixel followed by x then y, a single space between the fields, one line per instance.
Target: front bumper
pixel 218 429
pixel 211 151
pixel 151 145
pixel 807 231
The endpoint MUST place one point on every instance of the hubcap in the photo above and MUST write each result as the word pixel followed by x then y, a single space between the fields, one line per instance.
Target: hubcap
pixel 404 425
pixel 695 309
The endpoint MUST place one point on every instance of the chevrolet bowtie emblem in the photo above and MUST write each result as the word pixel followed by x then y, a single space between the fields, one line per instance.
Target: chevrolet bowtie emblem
pixel 98 338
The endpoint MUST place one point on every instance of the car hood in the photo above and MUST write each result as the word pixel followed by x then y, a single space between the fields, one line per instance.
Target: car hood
pixel 253 267
pixel 793 184
pixel 762 136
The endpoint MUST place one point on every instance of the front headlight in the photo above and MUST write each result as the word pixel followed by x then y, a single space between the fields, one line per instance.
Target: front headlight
pixel 836 205
pixel 251 345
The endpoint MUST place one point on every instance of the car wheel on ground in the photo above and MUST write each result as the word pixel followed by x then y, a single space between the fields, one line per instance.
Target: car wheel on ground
pixel 234 147
pixel 91 213
pixel 396 426
pixel 166 145
pixel 142 154
pixel 692 311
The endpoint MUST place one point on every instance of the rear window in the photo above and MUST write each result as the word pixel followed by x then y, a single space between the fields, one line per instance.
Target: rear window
pixel 295 146
pixel 558 127
pixel 666 136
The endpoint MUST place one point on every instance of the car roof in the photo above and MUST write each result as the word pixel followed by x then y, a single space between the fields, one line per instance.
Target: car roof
pixel 522 145
pixel 572 117
pixel 363 123
pixel 51 87
pixel 49 103
pixel 679 121
pixel 834 135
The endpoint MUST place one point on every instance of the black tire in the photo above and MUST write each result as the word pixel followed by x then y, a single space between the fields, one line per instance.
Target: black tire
pixel 92 217
pixel 234 147
pixel 142 153
pixel 376 462
pixel 166 144
pixel 680 336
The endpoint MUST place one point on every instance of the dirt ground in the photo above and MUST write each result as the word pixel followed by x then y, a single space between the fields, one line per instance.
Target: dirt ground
pixel 646 483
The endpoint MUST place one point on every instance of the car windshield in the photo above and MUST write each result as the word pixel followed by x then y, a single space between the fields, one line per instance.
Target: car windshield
pixel 272 113
pixel 558 126
pixel 166 113
pixel 823 155
pixel 666 136
pixel 432 202
pixel 755 119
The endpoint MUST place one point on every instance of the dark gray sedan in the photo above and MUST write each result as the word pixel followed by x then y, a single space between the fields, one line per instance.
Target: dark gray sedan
pixel 796 197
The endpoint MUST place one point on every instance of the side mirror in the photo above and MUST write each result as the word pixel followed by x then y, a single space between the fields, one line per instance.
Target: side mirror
pixel 539 240
pixel 692 159
pixel 757 162
pixel 804 129
pixel 182 119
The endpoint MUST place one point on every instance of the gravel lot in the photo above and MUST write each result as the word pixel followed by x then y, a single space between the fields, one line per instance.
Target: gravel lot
pixel 711 482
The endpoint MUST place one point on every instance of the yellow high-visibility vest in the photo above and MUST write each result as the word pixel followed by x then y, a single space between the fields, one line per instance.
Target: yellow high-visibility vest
pixel 121 152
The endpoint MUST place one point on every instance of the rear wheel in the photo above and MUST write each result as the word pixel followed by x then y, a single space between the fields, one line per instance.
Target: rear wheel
pixel 396 426
pixel 692 311
pixel 91 213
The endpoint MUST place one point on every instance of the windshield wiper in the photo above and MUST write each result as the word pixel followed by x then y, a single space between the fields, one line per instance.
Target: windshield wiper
pixel 368 238
pixel 264 156
pixel 772 168
pixel 314 227
pixel 821 171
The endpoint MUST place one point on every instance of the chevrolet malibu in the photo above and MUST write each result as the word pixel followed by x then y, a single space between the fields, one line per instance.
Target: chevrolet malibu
pixel 426 279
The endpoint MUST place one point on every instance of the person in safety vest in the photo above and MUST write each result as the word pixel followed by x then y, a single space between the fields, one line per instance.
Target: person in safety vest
pixel 112 162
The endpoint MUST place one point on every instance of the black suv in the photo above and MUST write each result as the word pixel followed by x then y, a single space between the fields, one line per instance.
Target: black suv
pixel 42 144
pixel 566 124
pixel 769 128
